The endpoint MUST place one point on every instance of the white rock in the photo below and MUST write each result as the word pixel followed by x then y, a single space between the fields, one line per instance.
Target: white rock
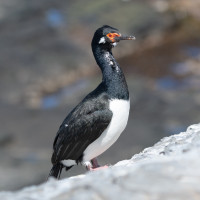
pixel 170 170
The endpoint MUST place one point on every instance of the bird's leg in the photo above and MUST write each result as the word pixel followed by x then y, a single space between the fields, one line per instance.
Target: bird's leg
pixel 96 166
pixel 94 163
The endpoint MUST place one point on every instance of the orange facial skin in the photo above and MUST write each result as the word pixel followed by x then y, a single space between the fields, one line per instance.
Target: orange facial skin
pixel 112 36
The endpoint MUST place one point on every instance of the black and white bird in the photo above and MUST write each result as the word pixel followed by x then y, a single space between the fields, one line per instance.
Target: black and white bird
pixel 99 119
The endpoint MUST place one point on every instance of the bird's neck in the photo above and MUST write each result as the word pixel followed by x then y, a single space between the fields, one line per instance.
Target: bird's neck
pixel 113 78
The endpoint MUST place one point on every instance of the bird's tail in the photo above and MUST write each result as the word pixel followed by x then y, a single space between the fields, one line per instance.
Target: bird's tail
pixel 56 170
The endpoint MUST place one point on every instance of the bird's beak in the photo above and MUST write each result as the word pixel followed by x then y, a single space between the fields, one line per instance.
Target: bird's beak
pixel 124 37
pixel 116 37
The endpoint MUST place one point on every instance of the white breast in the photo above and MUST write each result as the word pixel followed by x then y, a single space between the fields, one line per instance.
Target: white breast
pixel 120 109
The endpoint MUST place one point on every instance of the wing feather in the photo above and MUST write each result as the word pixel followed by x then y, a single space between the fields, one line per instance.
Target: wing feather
pixel 72 140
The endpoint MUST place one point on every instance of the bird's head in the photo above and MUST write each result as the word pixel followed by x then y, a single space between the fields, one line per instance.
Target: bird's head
pixel 109 37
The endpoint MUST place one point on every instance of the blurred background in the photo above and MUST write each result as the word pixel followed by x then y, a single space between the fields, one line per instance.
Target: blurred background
pixel 47 67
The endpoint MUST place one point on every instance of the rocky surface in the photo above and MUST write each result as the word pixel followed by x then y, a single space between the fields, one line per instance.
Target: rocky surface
pixel 46 68
pixel 168 170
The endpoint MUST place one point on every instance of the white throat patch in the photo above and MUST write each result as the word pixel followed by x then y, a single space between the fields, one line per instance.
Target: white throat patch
pixel 102 40
pixel 114 44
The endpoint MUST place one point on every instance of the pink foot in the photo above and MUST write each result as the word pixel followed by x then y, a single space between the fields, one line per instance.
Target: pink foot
pixel 94 166
pixel 98 168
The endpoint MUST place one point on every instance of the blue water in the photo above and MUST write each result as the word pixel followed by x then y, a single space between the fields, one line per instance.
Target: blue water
pixel 169 83
pixel 175 129
pixel 192 51
pixel 180 68
pixel 50 101
pixel 54 18
pixel 55 99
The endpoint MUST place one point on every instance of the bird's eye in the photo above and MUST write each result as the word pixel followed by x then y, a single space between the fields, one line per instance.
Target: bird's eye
pixel 112 36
